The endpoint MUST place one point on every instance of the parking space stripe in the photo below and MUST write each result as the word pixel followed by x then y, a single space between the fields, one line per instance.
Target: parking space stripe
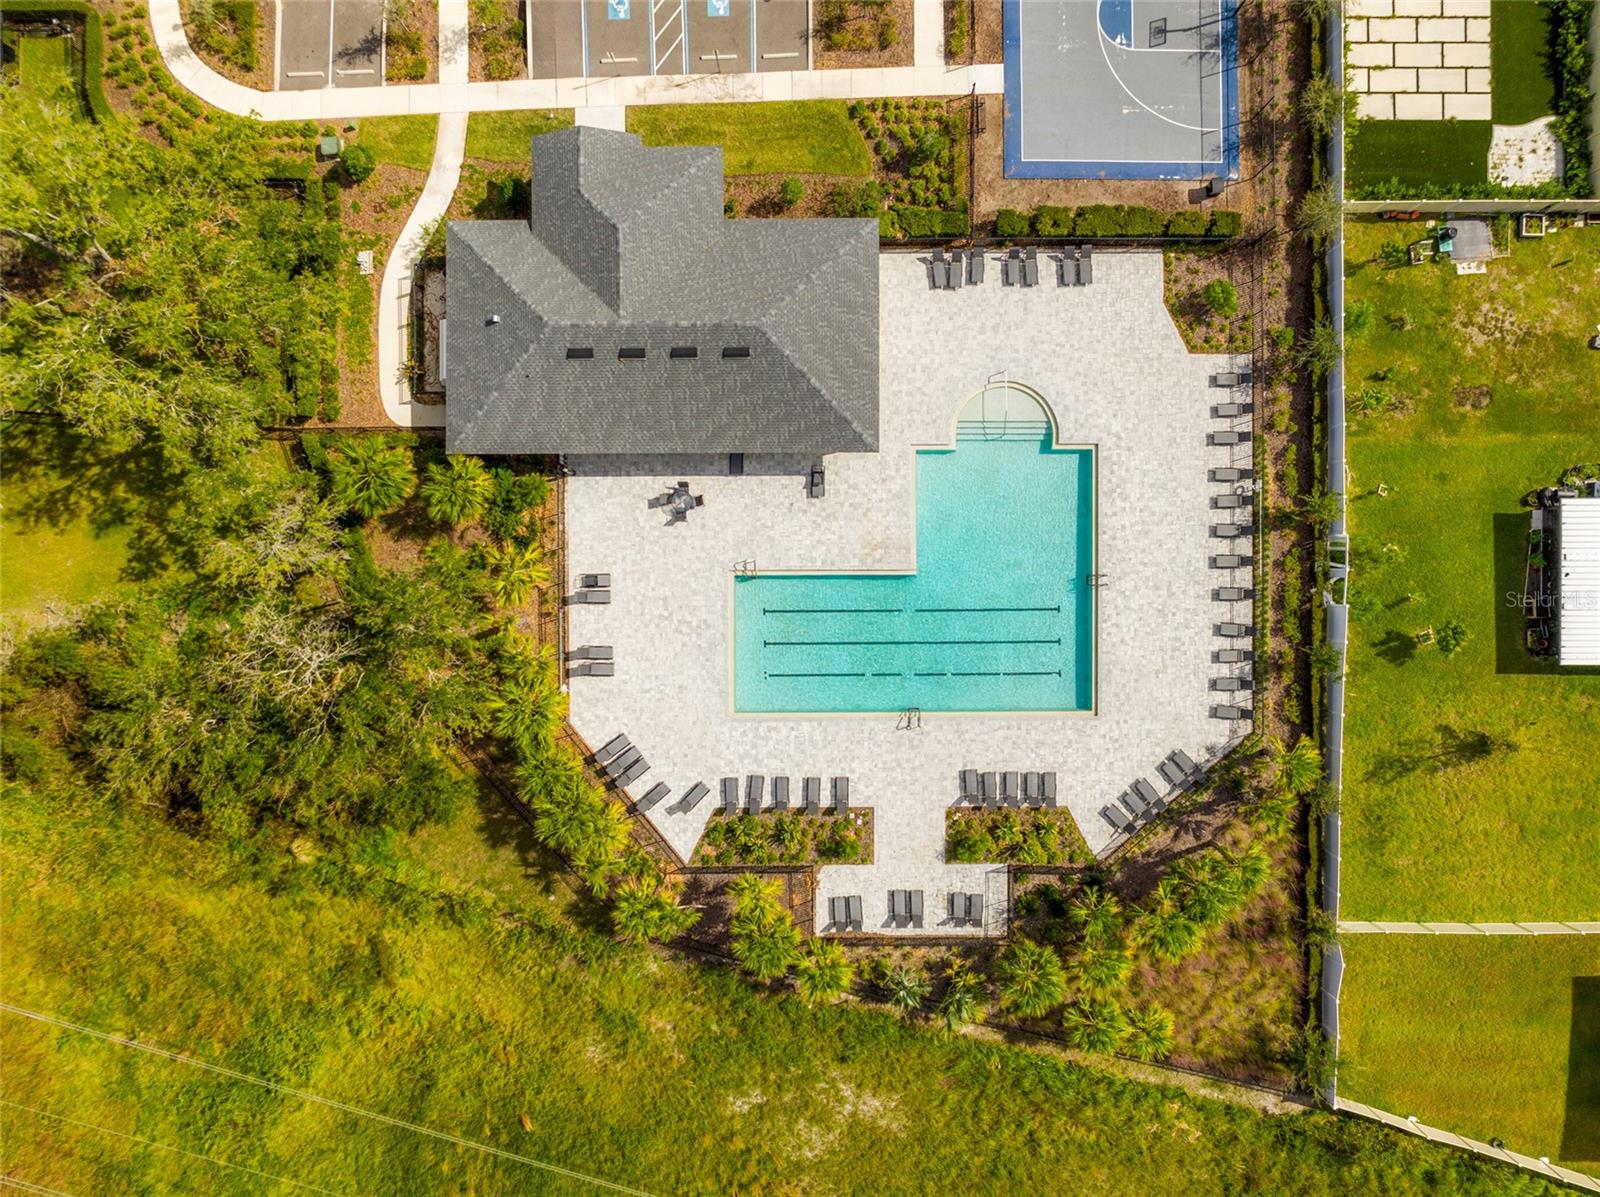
pixel 332 4
pixel 583 21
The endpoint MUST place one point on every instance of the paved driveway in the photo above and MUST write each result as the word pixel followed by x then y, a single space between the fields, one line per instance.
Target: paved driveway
pixel 331 43
pixel 665 37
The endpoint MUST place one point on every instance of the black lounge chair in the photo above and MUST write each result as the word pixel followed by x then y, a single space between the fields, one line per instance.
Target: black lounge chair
pixel 1030 268
pixel 1231 560
pixel 594 581
pixel 969 785
pixel 853 911
pixel 1048 781
pixel 1228 436
pixel 1148 792
pixel 991 792
pixel 592 669
pixel 1233 684
pixel 1225 710
pixel 1118 819
pixel 1231 411
pixel 1186 762
pixel 623 762
pixel 590 652
pixel 899 908
pixel 754 786
pixel 811 792
pixel 1233 656
pixel 655 794
pixel 975 909
pixel 591 597
pixel 640 768
pixel 841 795
pixel 696 792
pixel 975 266
pixel 838 912
pixel 1136 806
pixel 780 793
pixel 1232 594
pixel 1231 378
pixel 1234 631
pixel 1067 272
pixel 1233 531
pixel 1031 791
pixel 699 500
pixel 1232 501
pixel 1012 267
pixel 1010 791
pixel 1085 265
pixel 1173 775
pixel 1231 474
pixel 611 747
pixel 958 907
pixel 916 907
pixel 817 487
pixel 958 271
pixel 730 795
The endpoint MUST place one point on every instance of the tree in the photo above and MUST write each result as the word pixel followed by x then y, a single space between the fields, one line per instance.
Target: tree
pixel 645 910
pixel 1100 968
pixel 1030 978
pixel 822 974
pixel 359 162
pixel 1319 352
pixel 1312 1061
pixel 1219 295
pixel 456 491
pixel 791 192
pixel 1095 1025
pixel 1320 509
pixel 1322 102
pixel 1450 636
pixel 1149 1032
pixel 515 572
pixel 906 987
pixel 1320 214
pixel 958 1005
pixel 1296 770
pixel 370 477
pixel 765 940
pixel 529 720
pixel 1163 928
pixel 1095 912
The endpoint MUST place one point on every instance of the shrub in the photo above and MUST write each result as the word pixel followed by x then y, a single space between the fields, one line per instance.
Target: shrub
pixel 791 192
pixel 955 44
pixel 1219 295
pixel 1031 979
pixel 370 477
pixel 1357 318
pixel 932 222
pixel 1451 635
pixel 1008 222
pixel 1225 224
pixel 358 162
pixel 1050 220
pixel 1188 224
pixel 861 199
pixel 1118 220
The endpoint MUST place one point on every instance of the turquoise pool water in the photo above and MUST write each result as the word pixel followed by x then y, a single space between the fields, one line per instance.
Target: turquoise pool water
pixel 998 616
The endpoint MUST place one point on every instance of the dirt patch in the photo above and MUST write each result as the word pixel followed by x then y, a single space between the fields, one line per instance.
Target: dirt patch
pixel 988 28
pixel 1473 398
pixel 496 48
pixel 862 33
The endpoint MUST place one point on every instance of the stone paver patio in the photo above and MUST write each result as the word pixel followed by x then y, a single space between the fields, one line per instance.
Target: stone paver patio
pixel 1112 367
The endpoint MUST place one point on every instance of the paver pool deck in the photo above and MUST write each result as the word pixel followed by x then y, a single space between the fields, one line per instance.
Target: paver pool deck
pixel 1112 367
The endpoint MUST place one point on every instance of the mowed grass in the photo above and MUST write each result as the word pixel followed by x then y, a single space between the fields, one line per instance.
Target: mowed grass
pixel 1519 52
pixel 398 140
pixel 1420 153
pixel 504 136
pixel 1469 781
pixel 790 137
pixel 1476 1034
pixel 45 70
pixel 378 983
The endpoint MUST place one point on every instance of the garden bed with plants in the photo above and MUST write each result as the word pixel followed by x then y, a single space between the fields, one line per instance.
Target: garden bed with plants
pixel 496 40
pixel 234 38
pixel 411 42
pixel 973 32
pixel 1028 837
pixel 862 33
pixel 1203 299
pixel 787 838
pixel 1113 221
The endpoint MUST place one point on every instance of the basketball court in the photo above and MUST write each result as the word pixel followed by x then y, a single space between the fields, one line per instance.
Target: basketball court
pixel 1121 89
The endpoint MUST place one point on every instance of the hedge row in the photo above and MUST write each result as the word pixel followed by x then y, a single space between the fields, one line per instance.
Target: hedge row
pixel 1114 220
pixel 93 48
pixel 931 222
pixel 1573 61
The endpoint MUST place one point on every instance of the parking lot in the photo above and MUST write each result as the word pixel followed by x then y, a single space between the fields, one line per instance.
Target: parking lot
pixel 326 43
pixel 595 38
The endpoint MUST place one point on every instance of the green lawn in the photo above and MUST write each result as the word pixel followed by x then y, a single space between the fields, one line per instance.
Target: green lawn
pixel 795 137
pixel 1476 1035
pixel 1469 781
pixel 1520 57
pixel 361 982
pixel 1420 153
pixel 45 69
pixel 399 140
pixel 504 136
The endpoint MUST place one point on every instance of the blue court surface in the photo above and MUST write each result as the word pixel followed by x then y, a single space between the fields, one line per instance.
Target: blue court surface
pixel 1121 89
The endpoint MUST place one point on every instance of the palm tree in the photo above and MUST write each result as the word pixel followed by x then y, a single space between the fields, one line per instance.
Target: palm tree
pixel 906 987
pixel 1100 968
pixel 1296 770
pixel 643 911
pixel 823 973
pixel 606 831
pixel 1095 1025
pixel 456 491
pixel 755 897
pixel 1251 868
pixel 528 719
pixel 1150 1032
pixel 1163 929
pixel 1208 888
pixel 959 1003
pixel 515 571
pixel 548 774
pixel 1095 912
pixel 1031 979
pixel 766 951
pixel 370 477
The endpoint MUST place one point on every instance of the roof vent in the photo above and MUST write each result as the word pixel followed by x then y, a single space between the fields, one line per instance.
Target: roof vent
pixel 736 351
pixel 584 352
pixel 684 351
pixel 495 319
pixel 630 353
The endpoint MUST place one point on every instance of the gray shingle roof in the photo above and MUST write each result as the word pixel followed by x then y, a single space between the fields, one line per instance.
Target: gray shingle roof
pixel 628 249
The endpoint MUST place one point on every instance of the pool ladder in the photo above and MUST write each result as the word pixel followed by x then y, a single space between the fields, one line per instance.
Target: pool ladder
pixel 910 720
pixel 745 569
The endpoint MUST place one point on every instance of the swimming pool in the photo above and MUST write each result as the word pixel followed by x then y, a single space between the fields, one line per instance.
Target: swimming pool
pixel 998 617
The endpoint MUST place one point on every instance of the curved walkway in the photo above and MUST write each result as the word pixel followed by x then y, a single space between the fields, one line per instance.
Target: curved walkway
pixel 453 93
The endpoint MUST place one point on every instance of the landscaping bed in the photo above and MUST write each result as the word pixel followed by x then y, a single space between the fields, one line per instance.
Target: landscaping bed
pixel 411 42
pixel 497 45
pixel 1026 837
pixel 234 38
pixel 787 838
pixel 862 33
pixel 1202 294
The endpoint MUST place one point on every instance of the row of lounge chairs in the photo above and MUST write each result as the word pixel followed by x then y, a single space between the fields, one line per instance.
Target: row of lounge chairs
pixel 592 588
pixel 1141 801
pixel 905 907
pixel 621 762
pixel 590 660
pixel 1019 267
pixel 966 908
pixel 810 795
pixel 845 912
pixel 1013 789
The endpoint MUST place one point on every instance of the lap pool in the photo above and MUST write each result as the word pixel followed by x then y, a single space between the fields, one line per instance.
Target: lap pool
pixel 998 617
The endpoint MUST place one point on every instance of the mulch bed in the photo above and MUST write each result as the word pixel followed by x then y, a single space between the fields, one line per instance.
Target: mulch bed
pixel 867 19
pixel 817 827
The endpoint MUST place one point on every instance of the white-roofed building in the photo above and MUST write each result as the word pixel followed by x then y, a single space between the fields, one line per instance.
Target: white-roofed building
pixel 1577 579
